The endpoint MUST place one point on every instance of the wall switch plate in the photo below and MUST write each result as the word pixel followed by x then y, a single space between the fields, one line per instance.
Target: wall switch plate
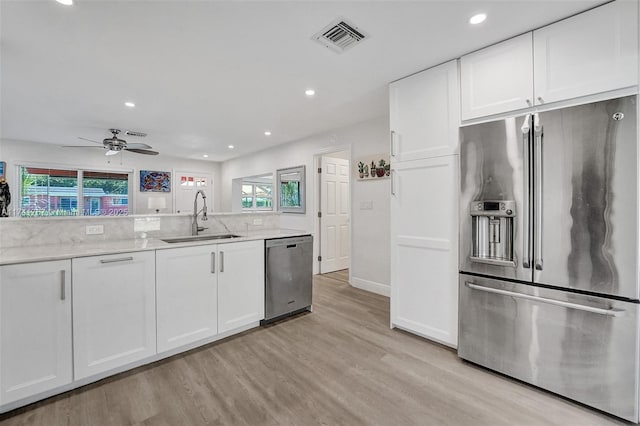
pixel 257 221
pixel 95 229
pixel 366 205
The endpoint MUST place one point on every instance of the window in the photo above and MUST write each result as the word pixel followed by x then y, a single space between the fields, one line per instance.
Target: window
pixel 257 196
pixel 291 187
pixel 68 203
pixel 56 192
pixel 43 192
pixel 119 201
pixel 99 189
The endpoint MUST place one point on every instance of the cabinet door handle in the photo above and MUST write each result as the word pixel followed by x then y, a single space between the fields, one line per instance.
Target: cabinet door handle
pixel 63 289
pixel 393 181
pixel 221 261
pixel 528 102
pixel 120 259
pixel 391 137
pixel 213 262
pixel 540 99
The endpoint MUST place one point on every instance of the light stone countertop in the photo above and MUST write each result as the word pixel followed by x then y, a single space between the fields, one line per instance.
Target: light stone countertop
pixel 42 253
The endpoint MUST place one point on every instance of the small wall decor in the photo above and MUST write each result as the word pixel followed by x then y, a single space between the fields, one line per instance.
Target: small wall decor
pixel 373 167
pixel 153 181
pixel 3 166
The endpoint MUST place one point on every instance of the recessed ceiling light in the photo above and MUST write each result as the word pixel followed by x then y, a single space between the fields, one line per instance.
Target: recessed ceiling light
pixel 65 2
pixel 231 146
pixel 205 155
pixel 309 92
pixel 130 104
pixel 477 19
pixel 267 133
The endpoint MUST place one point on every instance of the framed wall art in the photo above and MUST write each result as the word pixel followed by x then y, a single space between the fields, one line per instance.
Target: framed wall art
pixel 155 181
pixel 373 167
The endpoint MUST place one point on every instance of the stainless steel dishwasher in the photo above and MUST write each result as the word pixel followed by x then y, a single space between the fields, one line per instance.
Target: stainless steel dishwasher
pixel 288 276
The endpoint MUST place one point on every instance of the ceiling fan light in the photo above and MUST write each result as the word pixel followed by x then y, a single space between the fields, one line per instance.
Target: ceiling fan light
pixel 65 2
pixel 111 152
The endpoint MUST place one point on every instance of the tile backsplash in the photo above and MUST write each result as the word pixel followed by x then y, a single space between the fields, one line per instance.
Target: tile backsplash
pixel 19 232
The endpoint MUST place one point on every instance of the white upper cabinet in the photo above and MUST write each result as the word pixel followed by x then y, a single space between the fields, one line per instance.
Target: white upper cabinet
pixel 590 53
pixel 498 78
pixel 593 52
pixel 35 328
pixel 424 114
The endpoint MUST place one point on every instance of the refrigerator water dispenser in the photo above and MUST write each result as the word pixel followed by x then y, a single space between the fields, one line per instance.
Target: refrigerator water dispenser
pixel 492 225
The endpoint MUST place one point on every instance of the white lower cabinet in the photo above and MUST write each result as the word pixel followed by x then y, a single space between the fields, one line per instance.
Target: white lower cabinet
pixel 68 320
pixel 240 284
pixel 206 290
pixel 114 315
pixel 424 248
pixel 187 295
pixel 35 328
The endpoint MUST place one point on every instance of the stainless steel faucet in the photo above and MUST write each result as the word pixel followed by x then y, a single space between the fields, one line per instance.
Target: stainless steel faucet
pixel 194 219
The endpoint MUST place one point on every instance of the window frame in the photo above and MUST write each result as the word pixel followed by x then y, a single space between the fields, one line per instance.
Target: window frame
pixel 17 181
pixel 301 208
pixel 254 196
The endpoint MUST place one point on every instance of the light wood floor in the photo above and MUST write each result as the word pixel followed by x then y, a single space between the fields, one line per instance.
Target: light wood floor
pixel 340 365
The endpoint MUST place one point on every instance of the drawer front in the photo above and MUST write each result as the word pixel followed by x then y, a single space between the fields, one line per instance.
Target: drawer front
pixel 581 347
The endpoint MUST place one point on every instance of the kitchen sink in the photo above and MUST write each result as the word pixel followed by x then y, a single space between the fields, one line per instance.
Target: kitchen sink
pixel 198 238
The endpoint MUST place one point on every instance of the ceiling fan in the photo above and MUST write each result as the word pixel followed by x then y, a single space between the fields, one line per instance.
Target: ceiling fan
pixel 114 145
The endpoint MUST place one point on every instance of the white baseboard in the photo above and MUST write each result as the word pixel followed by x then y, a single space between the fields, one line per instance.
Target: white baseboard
pixel 372 286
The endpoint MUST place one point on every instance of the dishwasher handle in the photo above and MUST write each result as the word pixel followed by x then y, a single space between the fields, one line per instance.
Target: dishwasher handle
pixel 288 241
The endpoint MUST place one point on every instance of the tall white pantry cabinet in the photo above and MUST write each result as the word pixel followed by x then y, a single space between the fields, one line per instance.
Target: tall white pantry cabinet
pixel 424 120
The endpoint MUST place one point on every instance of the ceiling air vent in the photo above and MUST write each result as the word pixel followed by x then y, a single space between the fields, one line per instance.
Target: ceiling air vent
pixel 340 35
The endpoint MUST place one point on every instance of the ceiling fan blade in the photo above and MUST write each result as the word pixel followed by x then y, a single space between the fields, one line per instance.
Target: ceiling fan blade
pixel 142 151
pixel 132 133
pixel 90 140
pixel 81 146
pixel 138 146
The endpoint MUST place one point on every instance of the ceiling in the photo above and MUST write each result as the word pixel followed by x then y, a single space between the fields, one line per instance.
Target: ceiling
pixel 208 74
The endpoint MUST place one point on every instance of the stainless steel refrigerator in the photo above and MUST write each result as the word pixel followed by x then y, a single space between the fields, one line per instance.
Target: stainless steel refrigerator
pixel 549 251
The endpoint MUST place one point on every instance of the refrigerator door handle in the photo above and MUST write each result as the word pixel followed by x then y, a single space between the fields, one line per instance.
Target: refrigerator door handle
pixel 526 138
pixel 537 128
pixel 608 312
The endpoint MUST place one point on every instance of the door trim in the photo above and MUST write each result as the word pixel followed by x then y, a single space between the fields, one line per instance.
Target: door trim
pixel 317 162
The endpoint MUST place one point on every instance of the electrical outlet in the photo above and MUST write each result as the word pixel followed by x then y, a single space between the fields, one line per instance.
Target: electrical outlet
pixel 257 221
pixel 95 229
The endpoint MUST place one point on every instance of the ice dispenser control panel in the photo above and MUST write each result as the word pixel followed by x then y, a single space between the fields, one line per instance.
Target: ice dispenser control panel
pixel 493 208
pixel 492 227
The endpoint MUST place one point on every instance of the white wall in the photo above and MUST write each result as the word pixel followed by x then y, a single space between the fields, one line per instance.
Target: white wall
pixel 370 247
pixel 20 152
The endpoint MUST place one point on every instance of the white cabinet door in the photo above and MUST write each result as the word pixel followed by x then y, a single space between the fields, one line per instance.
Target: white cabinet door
pixel 114 315
pixel 424 248
pixel 35 328
pixel 187 296
pixel 424 114
pixel 589 53
pixel 240 284
pixel 498 78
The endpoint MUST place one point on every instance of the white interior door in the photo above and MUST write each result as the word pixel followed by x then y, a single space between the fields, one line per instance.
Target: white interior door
pixel 185 186
pixel 334 206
